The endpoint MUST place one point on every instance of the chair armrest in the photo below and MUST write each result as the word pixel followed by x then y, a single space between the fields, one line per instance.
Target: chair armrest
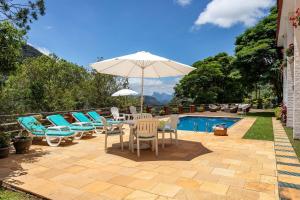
pixel 82 124
pixel 59 128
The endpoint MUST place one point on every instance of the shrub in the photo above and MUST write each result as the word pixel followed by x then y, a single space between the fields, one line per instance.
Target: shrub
pixel 4 140
pixel 277 112
pixel 175 110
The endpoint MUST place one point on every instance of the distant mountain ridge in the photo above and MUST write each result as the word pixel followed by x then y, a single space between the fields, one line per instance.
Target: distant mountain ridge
pixel 30 52
pixel 162 98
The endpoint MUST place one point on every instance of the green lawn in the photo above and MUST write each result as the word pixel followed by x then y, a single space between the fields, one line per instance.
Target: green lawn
pixel 295 143
pixel 262 128
pixel 10 195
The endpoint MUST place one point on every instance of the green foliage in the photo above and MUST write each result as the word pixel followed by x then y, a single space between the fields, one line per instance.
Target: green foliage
pixel 52 84
pixel 257 55
pixel 21 14
pixel 10 195
pixel 4 140
pixel 11 42
pixel 277 112
pixel 214 80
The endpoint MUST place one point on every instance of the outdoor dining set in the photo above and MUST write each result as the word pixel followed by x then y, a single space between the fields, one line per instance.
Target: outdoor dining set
pixel 144 129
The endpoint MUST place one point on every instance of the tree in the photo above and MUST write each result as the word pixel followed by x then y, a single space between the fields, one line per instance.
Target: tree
pixel 53 84
pixel 214 80
pixel 257 55
pixel 11 42
pixel 20 13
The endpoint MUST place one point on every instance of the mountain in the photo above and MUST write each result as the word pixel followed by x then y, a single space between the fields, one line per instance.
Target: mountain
pixel 151 101
pixel 29 51
pixel 162 98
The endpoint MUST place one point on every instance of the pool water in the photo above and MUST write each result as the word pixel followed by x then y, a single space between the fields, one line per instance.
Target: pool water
pixel 204 124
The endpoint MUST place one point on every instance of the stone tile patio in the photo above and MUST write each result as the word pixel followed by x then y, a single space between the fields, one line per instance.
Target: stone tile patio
pixel 202 166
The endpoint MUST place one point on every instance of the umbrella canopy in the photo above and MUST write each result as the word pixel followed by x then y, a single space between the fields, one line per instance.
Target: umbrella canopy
pixel 124 92
pixel 144 65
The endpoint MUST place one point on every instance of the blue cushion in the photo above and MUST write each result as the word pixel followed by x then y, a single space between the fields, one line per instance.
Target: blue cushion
pixel 58 120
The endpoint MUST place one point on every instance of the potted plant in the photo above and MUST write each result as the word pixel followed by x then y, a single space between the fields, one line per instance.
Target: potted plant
pixel 4 144
pixel 22 143
pixel 290 53
pixel 161 112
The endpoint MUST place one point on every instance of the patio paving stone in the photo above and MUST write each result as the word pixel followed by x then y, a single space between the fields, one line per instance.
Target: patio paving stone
pixel 202 166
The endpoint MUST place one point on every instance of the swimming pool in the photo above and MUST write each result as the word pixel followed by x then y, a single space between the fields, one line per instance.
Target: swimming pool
pixel 204 124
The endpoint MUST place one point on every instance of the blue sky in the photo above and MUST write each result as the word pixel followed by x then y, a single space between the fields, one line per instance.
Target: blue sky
pixel 182 30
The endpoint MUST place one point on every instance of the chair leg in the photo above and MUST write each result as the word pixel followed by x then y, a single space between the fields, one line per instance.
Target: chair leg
pixel 153 145
pixel 138 147
pixel 171 137
pixel 156 146
pixel 163 140
pixel 176 137
pixel 129 143
pixel 105 142
pixel 121 141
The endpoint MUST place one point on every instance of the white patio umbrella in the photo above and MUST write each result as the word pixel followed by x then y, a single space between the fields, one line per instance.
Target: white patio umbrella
pixel 124 92
pixel 142 65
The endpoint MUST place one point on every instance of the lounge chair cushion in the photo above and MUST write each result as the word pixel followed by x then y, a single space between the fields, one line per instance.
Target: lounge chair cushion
pixel 54 133
pixel 59 120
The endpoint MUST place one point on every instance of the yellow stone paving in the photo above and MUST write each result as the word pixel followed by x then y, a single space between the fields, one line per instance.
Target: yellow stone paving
pixel 287 181
pixel 202 166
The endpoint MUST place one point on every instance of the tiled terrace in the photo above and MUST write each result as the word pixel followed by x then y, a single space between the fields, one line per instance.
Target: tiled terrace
pixel 202 166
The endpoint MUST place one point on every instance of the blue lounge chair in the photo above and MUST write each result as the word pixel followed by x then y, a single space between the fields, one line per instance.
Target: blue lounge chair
pixel 79 127
pixel 98 118
pixel 80 117
pixel 36 129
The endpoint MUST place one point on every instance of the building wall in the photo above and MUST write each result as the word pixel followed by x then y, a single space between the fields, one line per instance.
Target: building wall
pixel 296 70
pixel 289 75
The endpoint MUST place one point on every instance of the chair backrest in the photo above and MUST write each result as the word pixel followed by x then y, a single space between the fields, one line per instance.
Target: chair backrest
pixel 58 120
pixel 173 121
pixel 141 116
pixel 94 115
pixel 79 116
pixel 104 122
pixel 31 124
pixel 132 109
pixel 147 115
pixel 115 112
pixel 147 127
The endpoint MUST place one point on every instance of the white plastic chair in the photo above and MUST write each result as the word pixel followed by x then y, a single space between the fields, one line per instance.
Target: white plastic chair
pixel 116 115
pixel 146 130
pixel 170 127
pixel 132 109
pixel 112 130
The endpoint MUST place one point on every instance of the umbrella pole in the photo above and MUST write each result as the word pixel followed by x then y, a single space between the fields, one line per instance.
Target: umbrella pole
pixel 142 92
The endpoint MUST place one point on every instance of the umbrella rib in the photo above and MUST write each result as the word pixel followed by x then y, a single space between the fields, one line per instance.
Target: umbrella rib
pixel 173 67
pixel 156 71
pixel 110 66
pixel 131 68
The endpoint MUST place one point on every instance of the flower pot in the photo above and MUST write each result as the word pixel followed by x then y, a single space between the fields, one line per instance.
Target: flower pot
pixel 180 109
pixel 192 108
pixel 4 152
pixel 22 144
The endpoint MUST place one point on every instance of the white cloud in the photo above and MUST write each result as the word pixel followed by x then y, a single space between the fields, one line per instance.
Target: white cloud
pixel 183 2
pixel 48 27
pixel 43 50
pixel 226 13
pixel 154 85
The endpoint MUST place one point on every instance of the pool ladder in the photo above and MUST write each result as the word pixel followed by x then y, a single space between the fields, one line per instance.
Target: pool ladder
pixel 196 127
